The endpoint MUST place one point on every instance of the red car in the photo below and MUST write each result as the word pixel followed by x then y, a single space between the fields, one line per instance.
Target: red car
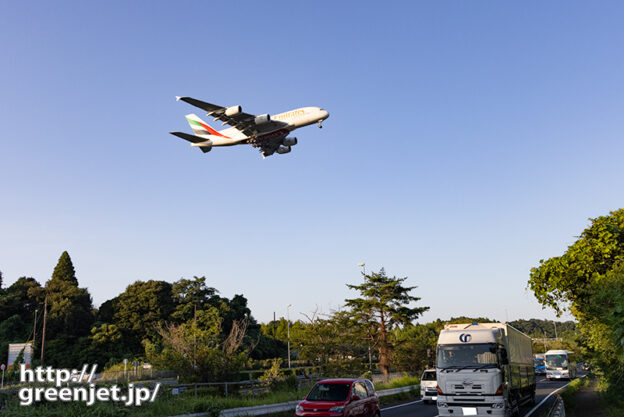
pixel 340 397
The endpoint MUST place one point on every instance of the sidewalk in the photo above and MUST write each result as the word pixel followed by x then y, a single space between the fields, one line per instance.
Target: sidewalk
pixel 587 403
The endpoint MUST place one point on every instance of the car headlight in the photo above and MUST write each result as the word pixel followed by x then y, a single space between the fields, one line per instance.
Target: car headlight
pixel 298 408
pixel 337 409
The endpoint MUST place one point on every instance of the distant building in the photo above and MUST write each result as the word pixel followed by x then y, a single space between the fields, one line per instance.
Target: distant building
pixel 14 351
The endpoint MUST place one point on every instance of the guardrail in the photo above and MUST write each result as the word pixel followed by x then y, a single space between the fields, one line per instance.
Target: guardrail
pixel 265 409
pixel 558 408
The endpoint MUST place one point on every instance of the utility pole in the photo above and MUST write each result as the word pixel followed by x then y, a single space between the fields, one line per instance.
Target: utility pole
pixel 35 331
pixel 555 323
pixel 288 330
pixel 194 333
pixel 370 336
pixel 45 315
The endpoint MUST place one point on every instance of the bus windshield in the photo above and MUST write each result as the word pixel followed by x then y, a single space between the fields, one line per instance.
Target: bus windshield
pixel 556 361
pixel 478 355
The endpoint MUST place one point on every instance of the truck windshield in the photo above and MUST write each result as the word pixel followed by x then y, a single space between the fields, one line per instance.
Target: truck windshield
pixel 538 362
pixel 429 376
pixel 556 361
pixel 482 355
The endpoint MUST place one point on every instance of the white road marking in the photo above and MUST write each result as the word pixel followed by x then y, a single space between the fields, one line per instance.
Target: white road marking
pixel 547 397
pixel 401 405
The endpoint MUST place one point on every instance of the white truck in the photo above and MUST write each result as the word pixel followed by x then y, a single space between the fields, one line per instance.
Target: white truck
pixel 428 386
pixel 484 369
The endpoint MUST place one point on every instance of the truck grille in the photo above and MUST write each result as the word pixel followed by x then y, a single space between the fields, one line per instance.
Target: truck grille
pixel 469 387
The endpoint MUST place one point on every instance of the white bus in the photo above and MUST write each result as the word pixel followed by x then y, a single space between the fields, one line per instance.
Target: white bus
pixel 560 364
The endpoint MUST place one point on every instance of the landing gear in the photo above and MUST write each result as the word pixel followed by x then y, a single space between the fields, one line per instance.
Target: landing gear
pixel 320 125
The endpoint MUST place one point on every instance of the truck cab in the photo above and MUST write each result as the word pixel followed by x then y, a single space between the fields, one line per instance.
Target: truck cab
pixel 483 370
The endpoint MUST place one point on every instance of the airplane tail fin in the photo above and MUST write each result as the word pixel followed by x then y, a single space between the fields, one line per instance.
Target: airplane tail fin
pixel 200 127
pixel 202 143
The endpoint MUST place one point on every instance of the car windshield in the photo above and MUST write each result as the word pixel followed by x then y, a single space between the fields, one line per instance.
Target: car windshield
pixel 557 361
pixel 329 392
pixel 478 355
pixel 429 376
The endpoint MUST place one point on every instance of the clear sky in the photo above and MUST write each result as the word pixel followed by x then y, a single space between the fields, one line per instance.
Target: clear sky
pixel 467 141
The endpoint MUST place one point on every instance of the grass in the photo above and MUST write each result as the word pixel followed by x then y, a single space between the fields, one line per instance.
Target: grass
pixel 185 403
pixel 404 381
pixel 568 393
pixel 610 397
pixel 166 405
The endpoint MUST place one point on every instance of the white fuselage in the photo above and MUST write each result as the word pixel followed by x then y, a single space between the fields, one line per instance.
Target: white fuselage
pixel 293 119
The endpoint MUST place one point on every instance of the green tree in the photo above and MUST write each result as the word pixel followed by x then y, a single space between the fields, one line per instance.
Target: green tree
pixel 415 346
pixel 106 312
pixel 567 280
pixel 141 308
pixel 588 279
pixel 106 345
pixel 191 295
pixel 70 309
pixel 70 316
pixel 197 349
pixel 383 305
pixel 23 297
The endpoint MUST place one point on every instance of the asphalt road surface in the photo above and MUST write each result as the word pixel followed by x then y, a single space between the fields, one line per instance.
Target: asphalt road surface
pixel 543 400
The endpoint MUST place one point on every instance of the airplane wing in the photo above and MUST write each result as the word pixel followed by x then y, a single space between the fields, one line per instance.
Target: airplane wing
pixel 244 122
pixel 269 147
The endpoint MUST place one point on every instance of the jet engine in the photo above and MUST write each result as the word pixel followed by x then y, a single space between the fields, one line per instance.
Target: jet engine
pixel 289 141
pixel 283 149
pixel 233 111
pixel 262 119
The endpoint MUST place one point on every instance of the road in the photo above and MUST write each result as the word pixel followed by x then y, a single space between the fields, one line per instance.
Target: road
pixel 417 408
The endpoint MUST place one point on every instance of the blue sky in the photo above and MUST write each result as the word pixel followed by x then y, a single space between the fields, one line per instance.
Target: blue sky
pixel 467 141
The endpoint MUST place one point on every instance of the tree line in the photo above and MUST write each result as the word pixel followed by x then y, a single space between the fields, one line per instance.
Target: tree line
pixel 188 327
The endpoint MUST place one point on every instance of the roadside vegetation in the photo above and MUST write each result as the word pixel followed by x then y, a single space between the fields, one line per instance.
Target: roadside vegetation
pixel 185 403
pixel 611 400
pixel 568 394
pixel 587 280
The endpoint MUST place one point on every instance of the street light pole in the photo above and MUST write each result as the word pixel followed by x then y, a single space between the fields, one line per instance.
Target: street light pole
pixel 370 356
pixel 288 330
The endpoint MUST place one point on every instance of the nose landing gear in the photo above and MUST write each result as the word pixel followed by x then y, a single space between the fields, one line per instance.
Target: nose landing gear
pixel 320 125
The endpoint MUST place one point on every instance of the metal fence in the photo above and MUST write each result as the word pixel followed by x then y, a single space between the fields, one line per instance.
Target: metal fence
pixel 135 374
pixel 249 388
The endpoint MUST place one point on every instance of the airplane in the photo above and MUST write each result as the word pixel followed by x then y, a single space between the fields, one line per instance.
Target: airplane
pixel 269 133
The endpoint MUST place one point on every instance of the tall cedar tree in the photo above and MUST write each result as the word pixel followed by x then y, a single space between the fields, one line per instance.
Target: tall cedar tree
pixel 383 305
pixel 70 314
